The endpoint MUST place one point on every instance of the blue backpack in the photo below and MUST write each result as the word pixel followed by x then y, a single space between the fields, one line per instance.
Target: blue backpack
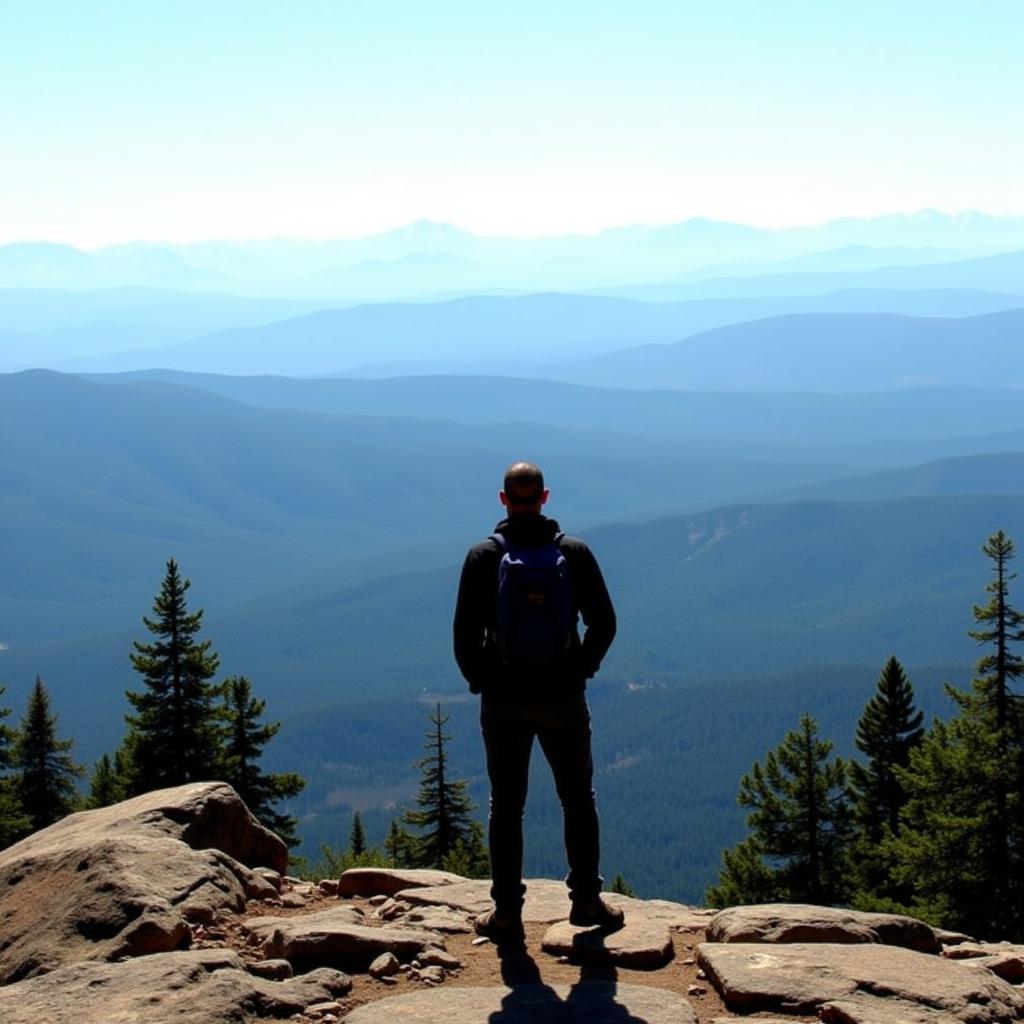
pixel 534 619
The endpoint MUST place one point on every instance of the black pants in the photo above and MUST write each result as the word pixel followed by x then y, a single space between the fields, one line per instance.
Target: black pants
pixel 563 729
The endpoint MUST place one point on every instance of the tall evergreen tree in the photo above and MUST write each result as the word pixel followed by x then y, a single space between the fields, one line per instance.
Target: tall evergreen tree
pixel 44 771
pixel 800 822
pixel 173 734
pixel 14 823
pixel 888 730
pixel 398 845
pixel 243 742
pixel 357 836
pixel 962 832
pixel 445 814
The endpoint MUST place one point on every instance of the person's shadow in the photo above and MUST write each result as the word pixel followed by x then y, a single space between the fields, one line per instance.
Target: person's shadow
pixel 591 1000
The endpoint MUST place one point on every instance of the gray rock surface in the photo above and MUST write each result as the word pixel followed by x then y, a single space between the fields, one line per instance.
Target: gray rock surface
pixel 587 1003
pixel 796 922
pixel 193 987
pixel 126 880
pixel 802 977
pixel 641 944
pixel 546 900
pixel 336 938
pixel 438 919
pixel 388 881
pixel 866 1009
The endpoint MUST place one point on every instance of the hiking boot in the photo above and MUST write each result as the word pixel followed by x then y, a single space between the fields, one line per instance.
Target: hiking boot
pixel 595 912
pixel 501 929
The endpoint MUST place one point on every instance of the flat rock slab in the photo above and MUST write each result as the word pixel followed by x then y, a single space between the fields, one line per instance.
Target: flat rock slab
pixel 642 945
pixel 388 882
pixel 797 922
pixel 195 987
pixel 331 938
pixel 587 1003
pixel 803 977
pixel 546 900
pixel 865 1009
pixel 438 919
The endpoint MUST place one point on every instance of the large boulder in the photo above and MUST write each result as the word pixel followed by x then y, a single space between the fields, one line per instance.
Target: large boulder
pixel 798 922
pixel 193 987
pixel 807 977
pixel 128 880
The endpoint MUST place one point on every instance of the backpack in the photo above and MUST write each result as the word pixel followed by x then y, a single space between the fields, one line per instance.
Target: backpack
pixel 534 620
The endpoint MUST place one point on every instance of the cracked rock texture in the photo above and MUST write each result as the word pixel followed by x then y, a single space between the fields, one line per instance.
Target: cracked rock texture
pixel 804 977
pixel 127 880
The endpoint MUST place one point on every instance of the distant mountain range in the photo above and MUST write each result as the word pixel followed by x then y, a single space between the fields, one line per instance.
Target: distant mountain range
pixel 425 258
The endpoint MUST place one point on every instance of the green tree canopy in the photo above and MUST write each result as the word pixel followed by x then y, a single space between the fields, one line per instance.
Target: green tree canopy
pixel 14 822
pixel 961 842
pixel 173 734
pixel 45 774
pixel 244 738
pixel 445 810
pixel 800 820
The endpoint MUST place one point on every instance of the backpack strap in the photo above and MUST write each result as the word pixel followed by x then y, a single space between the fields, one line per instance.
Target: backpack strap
pixel 500 541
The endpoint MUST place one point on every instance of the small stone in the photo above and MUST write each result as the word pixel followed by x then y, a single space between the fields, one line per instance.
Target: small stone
pixel 696 990
pixel 701 976
pixel 321 1010
pixel 563 960
pixel 480 941
pixel 404 968
pixel 393 908
pixel 431 975
pixel 376 901
pixel 328 887
pixel 439 958
pixel 293 901
pixel 291 880
pixel 688 962
pixel 384 966
pixel 272 970
pixel 388 980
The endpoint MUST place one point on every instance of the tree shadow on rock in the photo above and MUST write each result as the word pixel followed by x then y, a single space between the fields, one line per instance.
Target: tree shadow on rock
pixel 591 1000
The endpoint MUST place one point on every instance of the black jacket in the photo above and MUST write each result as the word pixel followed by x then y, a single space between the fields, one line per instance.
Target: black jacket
pixel 476 648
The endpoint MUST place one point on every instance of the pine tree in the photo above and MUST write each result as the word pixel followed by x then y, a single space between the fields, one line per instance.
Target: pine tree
pixel 961 843
pixel 800 821
pixel 173 735
pixel 399 846
pixel 357 837
pixel 44 772
pixel 888 730
pixel 445 808
pixel 243 741
pixel 105 787
pixel 621 886
pixel 14 823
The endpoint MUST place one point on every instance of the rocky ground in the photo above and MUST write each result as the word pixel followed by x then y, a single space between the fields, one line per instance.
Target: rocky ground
pixel 174 907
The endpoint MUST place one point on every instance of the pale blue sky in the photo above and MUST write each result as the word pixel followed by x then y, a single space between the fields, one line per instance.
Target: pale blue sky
pixel 223 119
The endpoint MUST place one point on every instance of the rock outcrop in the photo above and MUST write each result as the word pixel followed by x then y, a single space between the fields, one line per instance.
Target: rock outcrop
pixel 797 922
pixel 128 880
pixel 192 987
pixel 855 980
pixel 174 908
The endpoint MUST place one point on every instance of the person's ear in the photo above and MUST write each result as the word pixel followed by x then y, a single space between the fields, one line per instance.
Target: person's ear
pixel 503 498
pixel 544 496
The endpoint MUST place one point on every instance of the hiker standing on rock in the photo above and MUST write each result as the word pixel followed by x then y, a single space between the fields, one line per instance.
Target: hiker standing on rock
pixel 521 594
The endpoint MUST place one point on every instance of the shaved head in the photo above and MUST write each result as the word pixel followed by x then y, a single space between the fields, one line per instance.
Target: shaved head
pixel 523 490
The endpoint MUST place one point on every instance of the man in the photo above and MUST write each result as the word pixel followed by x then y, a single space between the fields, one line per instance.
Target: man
pixel 531 673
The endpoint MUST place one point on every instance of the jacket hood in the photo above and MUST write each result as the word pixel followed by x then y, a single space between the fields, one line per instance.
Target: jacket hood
pixel 529 531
